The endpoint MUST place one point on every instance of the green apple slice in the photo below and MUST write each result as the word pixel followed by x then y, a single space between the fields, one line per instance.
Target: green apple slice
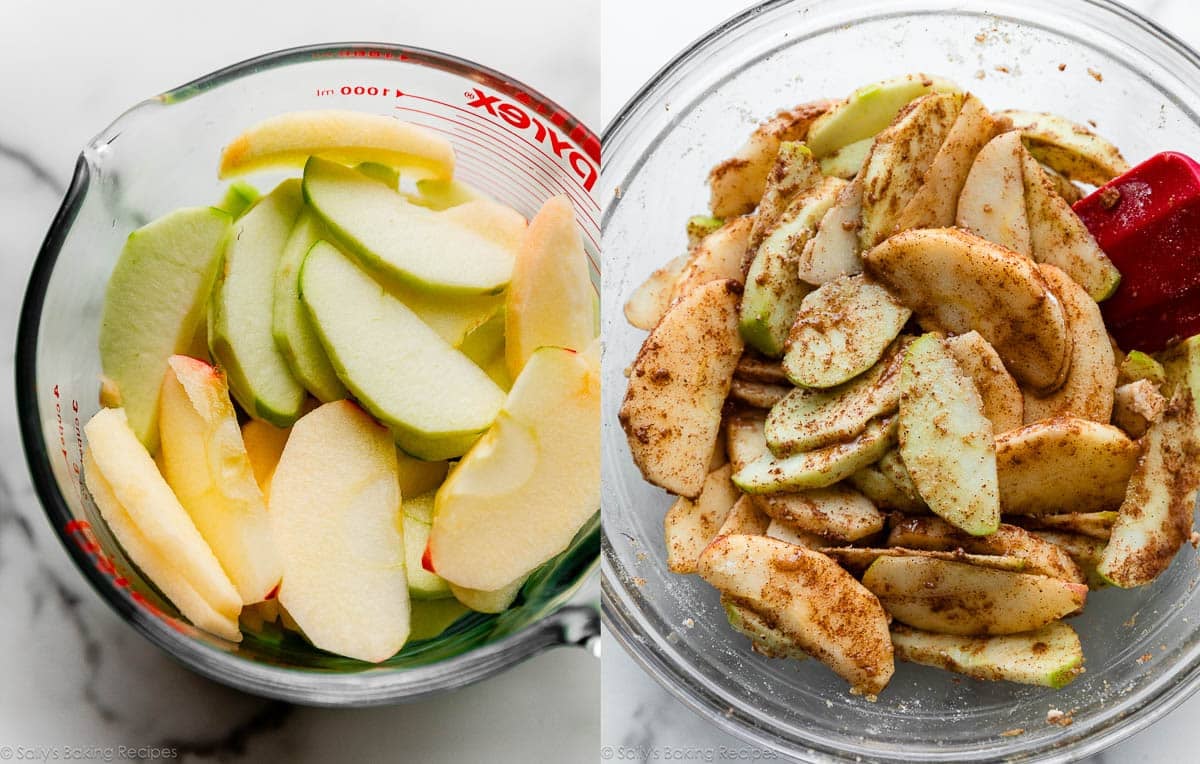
pixel 409 242
pixel 820 468
pixel 946 442
pixel 436 400
pixel 418 519
pixel 239 197
pixel 489 600
pixel 1050 656
pixel 837 512
pixel 240 333
pixel 291 325
pixel 154 305
pixel 765 639
pixel 444 194
pixel 870 109
pixel 429 618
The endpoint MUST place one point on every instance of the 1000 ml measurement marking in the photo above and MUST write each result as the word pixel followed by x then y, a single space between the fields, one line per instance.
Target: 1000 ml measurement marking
pixel 358 90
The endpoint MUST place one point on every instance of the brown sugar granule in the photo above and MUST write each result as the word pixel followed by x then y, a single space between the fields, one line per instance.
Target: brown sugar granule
pixel 981 37
pixel 1002 68
pixel 1109 197
pixel 1013 732
pixel 1145 658
pixel 1062 67
pixel 1097 76
pixel 1054 716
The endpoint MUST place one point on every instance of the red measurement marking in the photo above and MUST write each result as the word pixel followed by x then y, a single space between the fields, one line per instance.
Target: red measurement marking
pixel 81 533
pixel 501 130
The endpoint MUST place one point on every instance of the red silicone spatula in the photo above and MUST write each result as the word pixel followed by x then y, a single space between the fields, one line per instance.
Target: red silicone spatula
pixel 1148 222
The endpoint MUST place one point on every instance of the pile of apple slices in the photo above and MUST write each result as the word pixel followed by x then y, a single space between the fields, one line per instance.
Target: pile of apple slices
pixel 360 404
pixel 880 384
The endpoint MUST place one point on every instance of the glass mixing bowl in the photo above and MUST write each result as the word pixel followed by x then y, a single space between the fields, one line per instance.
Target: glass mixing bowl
pixel 1142 88
pixel 511 141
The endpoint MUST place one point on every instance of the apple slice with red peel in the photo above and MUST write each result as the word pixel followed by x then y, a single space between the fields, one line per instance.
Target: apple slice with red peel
pixel 350 137
pixel 522 492
pixel 140 489
pixel 550 296
pixel 334 506
pixel 164 572
pixel 205 462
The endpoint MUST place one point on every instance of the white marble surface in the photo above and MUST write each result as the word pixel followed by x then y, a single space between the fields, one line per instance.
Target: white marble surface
pixel 638 38
pixel 74 675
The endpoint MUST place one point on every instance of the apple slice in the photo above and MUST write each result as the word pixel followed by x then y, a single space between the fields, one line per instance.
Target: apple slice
pixel 758 394
pixel 239 197
pixel 820 468
pixel 955 282
pixel 1097 525
pixel 810 599
pixel 264 445
pixel 163 572
pixel 869 109
pixel 992 202
pixel 1059 238
pixel 489 600
pixel 485 346
pixel 453 318
pixel 793 173
pixel 793 534
pixel 872 482
pixel 933 533
pixel 154 306
pixel 677 387
pixel 847 161
pixel 206 464
pixel 1050 656
pixel 719 255
pixel 946 442
pixel 124 464
pixel 1155 517
pixel 437 194
pixel 550 298
pixel 935 203
pixel 524 490
pixel 745 518
pixel 837 512
pixel 288 140
pixel 901 160
pixel 738 183
pixel 433 397
pixel 649 301
pixel 492 220
pixel 1087 552
pixel 290 323
pixel 240 318
pixel 956 598
pixel 412 244
pixel 1136 406
pixel 418 522
pixel 1063 465
pixel 418 476
pixel 765 639
pixel 1088 390
pixel 834 250
pixel 336 482
pixel 1071 149
pixel 857 559
pixel 1003 403
pixel 689 525
pixel 841 330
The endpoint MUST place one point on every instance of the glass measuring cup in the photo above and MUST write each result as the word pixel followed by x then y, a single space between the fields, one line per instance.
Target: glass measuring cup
pixel 510 141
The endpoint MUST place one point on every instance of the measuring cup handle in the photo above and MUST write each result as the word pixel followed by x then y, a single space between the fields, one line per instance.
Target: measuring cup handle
pixel 579 626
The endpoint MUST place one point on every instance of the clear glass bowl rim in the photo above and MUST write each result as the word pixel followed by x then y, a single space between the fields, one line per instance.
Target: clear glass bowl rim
pixel 571 625
pixel 621 616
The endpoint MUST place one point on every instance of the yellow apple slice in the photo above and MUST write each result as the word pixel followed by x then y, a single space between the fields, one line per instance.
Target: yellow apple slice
pixel 418 476
pixel 992 201
pixel 522 492
pixel 550 295
pixel 489 600
pixel 264 445
pixel 334 505
pixel 162 572
pixel 492 220
pixel 350 137
pixel 137 486
pixel 206 464
pixel 444 194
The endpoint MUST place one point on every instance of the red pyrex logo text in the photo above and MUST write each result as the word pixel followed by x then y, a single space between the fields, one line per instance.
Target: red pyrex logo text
pixel 584 166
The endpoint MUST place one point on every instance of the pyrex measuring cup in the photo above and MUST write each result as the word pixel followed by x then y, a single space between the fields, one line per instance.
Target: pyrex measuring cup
pixel 510 141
